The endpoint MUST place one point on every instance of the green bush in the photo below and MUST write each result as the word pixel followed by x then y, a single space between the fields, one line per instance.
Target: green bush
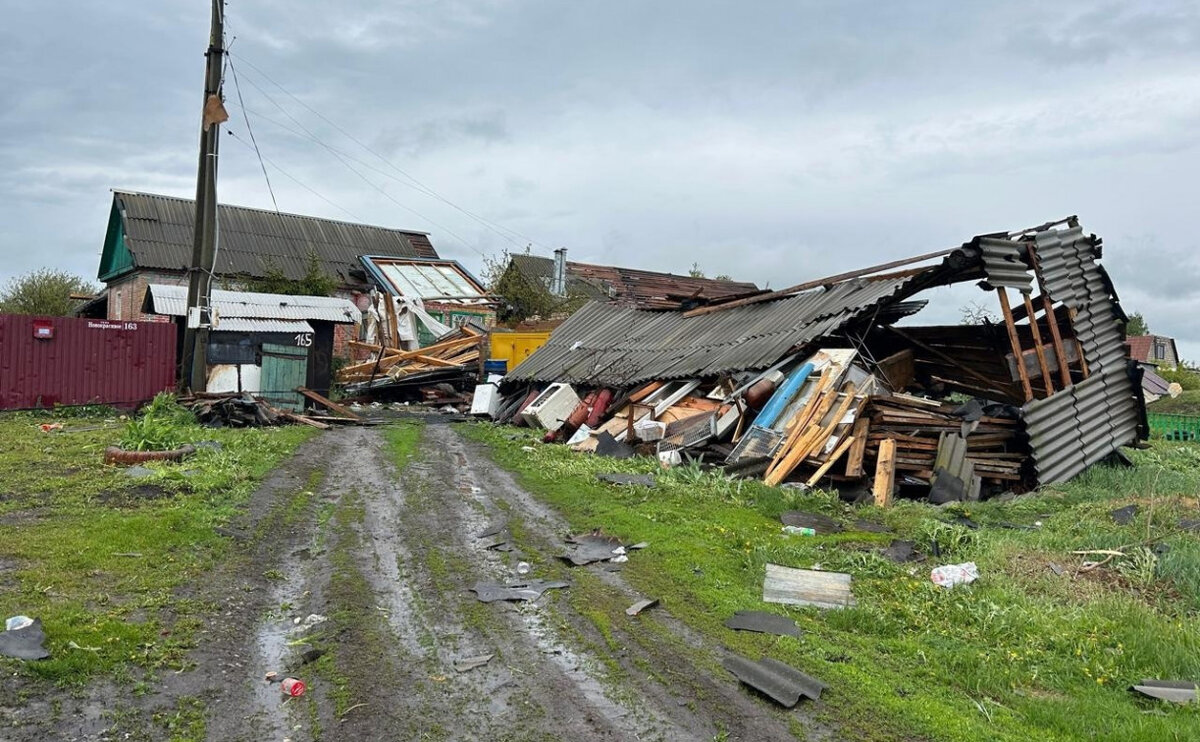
pixel 162 426
pixel 1189 380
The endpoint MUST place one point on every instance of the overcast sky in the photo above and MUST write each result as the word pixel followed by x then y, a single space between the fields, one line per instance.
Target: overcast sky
pixel 776 141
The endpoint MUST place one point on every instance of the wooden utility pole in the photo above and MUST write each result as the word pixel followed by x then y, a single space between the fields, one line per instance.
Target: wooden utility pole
pixel 194 367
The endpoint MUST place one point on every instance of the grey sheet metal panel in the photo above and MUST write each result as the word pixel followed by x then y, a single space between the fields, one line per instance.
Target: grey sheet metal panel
pixel 607 344
pixel 1003 265
pixel 1082 424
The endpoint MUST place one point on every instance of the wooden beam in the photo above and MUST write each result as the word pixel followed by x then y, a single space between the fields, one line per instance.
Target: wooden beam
pixel 1015 340
pixel 844 446
pixel 817 283
pixel 1037 345
pixel 328 404
pixel 885 473
pixel 854 464
pixel 1064 369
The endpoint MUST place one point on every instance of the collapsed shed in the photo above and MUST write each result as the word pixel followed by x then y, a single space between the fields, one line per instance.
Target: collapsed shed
pixel 1034 398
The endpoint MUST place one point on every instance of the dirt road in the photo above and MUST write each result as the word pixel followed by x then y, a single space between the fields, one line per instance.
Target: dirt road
pixel 387 556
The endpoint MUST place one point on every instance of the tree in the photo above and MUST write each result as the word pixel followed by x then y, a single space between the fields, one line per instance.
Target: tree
pixel 1136 326
pixel 44 291
pixel 316 282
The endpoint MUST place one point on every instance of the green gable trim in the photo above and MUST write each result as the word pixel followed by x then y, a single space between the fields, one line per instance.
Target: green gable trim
pixel 116 258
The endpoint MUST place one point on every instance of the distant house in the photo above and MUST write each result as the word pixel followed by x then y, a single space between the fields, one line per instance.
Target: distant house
pixel 640 288
pixel 150 238
pixel 1157 350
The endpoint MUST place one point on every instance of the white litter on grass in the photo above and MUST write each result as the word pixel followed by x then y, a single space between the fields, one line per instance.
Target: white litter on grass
pixel 949 575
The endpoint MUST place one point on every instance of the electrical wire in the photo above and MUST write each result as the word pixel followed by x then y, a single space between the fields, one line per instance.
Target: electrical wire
pixel 242 105
pixel 421 187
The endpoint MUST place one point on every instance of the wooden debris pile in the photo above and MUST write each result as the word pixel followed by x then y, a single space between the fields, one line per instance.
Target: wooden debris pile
pixel 455 354
pixel 930 439
pixel 231 410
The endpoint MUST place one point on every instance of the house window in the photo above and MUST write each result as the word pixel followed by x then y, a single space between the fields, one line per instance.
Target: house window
pixel 1160 351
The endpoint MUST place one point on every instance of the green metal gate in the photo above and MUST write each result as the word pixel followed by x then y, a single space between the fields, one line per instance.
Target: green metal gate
pixel 284 367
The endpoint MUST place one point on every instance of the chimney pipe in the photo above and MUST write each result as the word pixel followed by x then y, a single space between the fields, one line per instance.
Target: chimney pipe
pixel 558 285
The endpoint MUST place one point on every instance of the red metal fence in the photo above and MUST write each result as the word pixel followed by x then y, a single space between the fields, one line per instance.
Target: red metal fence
pixel 46 361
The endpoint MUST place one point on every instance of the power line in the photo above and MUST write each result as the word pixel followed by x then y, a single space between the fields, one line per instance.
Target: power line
pixel 299 182
pixel 242 105
pixel 364 178
pixel 499 229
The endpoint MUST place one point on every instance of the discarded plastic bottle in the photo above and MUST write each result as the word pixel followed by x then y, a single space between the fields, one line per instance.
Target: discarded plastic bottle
pixel 293 687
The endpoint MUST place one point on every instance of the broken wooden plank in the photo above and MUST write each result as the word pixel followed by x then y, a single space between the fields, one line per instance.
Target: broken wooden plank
pixel 854 463
pixel 885 473
pixel 327 403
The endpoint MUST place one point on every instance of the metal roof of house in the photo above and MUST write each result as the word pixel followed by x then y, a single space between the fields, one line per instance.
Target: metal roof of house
pixel 251 324
pixel 172 300
pixel 159 235
pixel 647 289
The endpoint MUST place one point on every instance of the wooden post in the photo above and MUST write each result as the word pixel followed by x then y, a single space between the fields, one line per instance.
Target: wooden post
pixel 885 472
pixel 1037 343
pixel 1015 340
pixel 1064 368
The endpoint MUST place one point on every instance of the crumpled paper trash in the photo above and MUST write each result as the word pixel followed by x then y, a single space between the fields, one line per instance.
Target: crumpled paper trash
pixel 949 575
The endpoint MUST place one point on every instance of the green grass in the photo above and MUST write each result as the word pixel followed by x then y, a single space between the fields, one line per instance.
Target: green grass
pixel 1021 654
pixel 1187 403
pixel 103 559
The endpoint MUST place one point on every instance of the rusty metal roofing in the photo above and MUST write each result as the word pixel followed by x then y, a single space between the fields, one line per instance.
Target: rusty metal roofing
pixel 159 235
pixel 172 300
pixel 647 289
pixel 607 344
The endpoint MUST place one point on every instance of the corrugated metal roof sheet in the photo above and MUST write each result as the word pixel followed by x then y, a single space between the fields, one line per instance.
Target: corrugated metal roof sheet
pixel 648 289
pixel 1082 424
pixel 1002 261
pixel 163 299
pixel 159 234
pixel 251 324
pixel 605 344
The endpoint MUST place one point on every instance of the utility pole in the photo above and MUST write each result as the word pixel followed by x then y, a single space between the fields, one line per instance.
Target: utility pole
pixel 194 367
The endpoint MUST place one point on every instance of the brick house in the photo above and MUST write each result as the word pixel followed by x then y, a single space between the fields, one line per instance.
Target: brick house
pixel 150 236
pixel 1158 350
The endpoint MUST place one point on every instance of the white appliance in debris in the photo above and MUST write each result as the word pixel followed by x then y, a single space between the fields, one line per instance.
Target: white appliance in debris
pixel 551 407
pixel 486 401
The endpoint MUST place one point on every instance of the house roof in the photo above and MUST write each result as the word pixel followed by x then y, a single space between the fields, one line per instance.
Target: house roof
pixel 158 233
pixel 172 300
pixel 646 289
pixel 1141 347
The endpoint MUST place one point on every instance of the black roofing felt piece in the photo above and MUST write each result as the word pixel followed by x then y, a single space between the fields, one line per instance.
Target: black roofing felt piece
pixel 1124 516
pixel 639 480
pixel 816 521
pixel 763 623
pixel 489 592
pixel 592 547
pixel 946 488
pixel 902 551
pixel 1167 690
pixel 26 643
pixel 606 445
pixel 779 682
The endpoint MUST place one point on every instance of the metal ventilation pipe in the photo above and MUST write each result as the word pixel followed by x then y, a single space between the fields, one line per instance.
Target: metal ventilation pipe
pixel 558 284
